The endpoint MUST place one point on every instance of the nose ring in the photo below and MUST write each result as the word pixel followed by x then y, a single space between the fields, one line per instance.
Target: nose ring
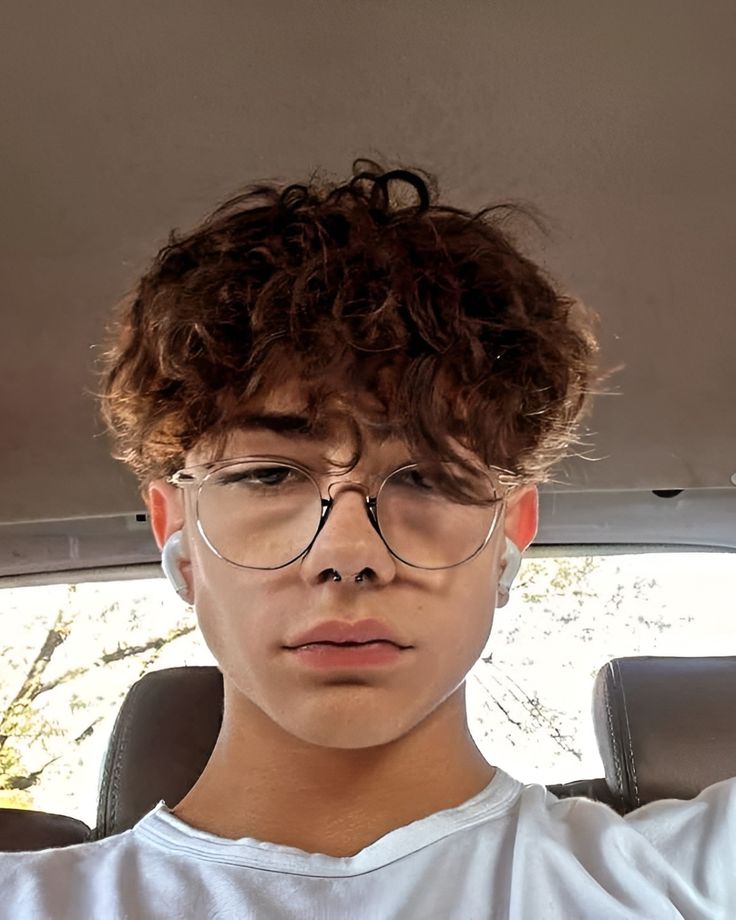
pixel 336 576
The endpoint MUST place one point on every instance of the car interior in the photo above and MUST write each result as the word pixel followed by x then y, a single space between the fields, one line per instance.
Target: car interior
pixel 609 120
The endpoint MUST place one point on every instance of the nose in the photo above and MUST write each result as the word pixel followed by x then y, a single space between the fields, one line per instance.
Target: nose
pixel 348 542
pixel 347 486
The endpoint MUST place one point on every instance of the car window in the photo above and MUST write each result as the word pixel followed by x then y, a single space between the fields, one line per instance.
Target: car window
pixel 71 652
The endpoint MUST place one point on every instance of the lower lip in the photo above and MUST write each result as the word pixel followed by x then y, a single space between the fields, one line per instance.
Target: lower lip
pixel 348 656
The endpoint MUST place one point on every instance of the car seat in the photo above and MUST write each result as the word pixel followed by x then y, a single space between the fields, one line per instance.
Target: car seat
pixel 665 729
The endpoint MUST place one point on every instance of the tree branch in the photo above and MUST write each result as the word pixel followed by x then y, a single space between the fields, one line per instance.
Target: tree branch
pixel 125 651
pixel 88 731
pixel 30 686
pixel 24 782
pixel 63 679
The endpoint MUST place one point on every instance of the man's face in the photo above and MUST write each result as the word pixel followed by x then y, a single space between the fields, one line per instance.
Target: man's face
pixel 248 617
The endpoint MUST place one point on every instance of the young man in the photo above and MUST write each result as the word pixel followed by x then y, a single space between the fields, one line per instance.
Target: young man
pixel 339 402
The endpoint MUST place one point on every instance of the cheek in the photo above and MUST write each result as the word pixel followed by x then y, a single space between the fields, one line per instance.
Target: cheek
pixel 229 606
pixel 460 619
pixel 466 636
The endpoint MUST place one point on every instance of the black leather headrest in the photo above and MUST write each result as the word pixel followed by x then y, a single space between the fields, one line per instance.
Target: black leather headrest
pixel 666 727
pixel 161 741
pixel 39 830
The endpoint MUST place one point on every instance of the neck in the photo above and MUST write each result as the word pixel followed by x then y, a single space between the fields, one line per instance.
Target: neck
pixel 265 784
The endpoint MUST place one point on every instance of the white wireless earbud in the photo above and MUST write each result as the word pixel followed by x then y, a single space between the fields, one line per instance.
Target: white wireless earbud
pixel 513 563
pixel 171 555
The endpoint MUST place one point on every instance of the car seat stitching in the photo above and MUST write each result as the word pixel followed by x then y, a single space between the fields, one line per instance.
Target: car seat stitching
pixel 612 735
pixel 632 761
pixel 119 754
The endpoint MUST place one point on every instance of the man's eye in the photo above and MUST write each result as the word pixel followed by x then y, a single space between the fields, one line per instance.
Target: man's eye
pixel 415 479
pixel 259 476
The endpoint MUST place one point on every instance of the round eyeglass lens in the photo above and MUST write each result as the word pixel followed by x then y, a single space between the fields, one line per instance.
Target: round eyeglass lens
pixel 438 515
pixel 259 513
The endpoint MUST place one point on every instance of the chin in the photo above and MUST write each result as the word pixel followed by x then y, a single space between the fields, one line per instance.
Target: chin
pixel 351 739
pixel 349 729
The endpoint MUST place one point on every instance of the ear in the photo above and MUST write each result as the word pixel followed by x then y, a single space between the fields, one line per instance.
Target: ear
pixel 521 520
pixel 166 510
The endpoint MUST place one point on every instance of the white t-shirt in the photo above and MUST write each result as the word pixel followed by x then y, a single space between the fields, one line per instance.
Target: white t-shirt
pixel 512 851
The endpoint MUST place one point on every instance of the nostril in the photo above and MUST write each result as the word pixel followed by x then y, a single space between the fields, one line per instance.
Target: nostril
pixel 334 575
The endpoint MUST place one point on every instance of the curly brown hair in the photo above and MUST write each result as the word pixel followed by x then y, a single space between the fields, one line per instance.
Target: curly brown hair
pixel 351 289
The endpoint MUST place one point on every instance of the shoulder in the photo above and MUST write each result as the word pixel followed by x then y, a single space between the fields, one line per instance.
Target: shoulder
pixel 50 883
pixel 713 812
pixel 673 845
pixel 713 809
pixel 697 836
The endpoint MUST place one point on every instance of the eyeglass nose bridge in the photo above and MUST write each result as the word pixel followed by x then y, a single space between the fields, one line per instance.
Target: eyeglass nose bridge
pixel 352 485
pixel 370 506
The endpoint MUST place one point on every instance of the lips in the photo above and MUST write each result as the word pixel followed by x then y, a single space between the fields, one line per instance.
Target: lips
pixel 338 632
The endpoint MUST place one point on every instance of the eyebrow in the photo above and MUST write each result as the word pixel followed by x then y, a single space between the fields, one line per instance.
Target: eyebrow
pixel 279 423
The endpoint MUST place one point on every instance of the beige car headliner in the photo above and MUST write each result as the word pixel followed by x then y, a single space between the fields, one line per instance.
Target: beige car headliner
pixel 123 120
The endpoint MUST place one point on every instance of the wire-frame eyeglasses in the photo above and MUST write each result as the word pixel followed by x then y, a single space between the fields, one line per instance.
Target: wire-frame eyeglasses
pixel 266 512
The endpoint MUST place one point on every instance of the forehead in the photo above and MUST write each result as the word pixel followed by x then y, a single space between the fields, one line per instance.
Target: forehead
pixel 329 422
pixel 290 418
